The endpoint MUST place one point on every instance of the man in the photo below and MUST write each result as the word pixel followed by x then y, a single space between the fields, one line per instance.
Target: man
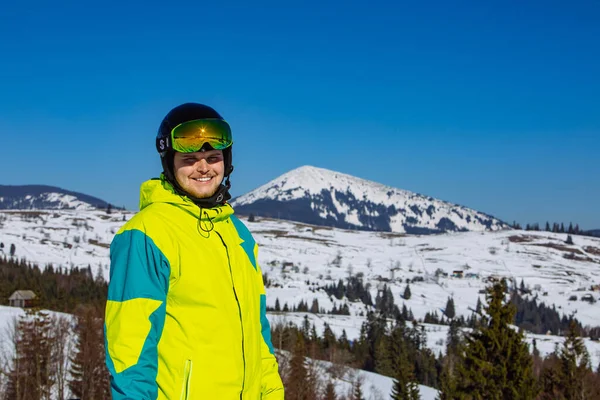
pixel 185 316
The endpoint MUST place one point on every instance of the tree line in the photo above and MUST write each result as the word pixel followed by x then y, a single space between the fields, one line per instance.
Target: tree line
pixel 555 228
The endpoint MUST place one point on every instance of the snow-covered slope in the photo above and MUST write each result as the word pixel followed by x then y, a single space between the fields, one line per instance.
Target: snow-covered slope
pixel 293 253
pixel 373 386
pixel 323 197
pixel 299 259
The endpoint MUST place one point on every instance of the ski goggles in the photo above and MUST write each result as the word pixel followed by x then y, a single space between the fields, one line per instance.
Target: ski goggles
pixel 191 136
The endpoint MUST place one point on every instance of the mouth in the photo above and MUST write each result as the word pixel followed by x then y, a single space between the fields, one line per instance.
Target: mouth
pixel 202 180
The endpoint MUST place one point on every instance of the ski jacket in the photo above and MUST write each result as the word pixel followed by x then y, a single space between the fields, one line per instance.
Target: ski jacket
pixel 186 309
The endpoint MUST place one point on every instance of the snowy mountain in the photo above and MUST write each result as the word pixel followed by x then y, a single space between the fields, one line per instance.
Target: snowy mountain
pixel 323 197
pixel 40 197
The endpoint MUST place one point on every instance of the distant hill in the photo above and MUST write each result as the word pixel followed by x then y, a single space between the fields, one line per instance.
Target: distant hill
pixel 594 232
pixel 42 197
pixel 323 197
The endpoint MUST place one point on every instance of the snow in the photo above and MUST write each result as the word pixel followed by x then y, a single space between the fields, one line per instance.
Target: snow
pixel 373 386
pixel 309 181
pixel 78 238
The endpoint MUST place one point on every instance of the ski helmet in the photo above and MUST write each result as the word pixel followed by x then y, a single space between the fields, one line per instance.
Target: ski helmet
pixel 178 115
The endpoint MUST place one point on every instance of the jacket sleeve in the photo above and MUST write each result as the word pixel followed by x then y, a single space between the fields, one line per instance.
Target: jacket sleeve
pixel 271 384
pixel 135 314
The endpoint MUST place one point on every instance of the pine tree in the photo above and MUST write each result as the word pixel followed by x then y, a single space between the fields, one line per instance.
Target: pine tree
pixel 407 292
pixel 357 393
pixel 448 384
pixel 478 307
pixel 405 386
pixel 297 381
pixel 449 310
pixel 329 393
pixel 383 361
pixel 550 380
pixel 574 365
pixel 496 363
pixel 314 308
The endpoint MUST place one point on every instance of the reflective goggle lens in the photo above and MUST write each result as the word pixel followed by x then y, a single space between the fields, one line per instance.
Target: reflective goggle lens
pixel 190 136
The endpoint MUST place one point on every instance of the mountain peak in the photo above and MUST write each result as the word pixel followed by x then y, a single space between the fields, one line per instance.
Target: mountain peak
pixel 323 197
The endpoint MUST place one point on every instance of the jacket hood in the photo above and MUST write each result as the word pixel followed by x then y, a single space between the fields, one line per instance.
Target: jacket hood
pixel 159 190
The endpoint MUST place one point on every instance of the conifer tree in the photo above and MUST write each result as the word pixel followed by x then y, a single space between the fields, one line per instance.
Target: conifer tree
pixel 574 365
pixel 449 310
pixel 405 386
pixel 448 384
pixel 496 363
pixel 407 292
pixel 314 308
pixel 383 361
pixel 297 382
pixel 357 393
pixel 329 393
pixel 478 307
pixel 550 380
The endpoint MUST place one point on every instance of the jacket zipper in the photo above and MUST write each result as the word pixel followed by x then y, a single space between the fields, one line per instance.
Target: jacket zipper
pixel 239 312
pixel 187 378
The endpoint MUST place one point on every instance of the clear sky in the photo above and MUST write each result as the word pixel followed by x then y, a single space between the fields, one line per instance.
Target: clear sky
pixel 491 105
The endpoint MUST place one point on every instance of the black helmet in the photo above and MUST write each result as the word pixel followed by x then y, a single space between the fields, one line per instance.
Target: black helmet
pixel 178 115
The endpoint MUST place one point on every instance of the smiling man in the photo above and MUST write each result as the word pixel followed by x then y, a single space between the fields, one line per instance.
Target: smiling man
pixel 185 316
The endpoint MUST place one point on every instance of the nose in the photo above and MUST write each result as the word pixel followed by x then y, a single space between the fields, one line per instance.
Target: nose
pixel 202 166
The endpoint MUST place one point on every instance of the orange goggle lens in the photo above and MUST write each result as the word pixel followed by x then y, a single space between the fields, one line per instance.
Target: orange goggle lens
pixel 190 136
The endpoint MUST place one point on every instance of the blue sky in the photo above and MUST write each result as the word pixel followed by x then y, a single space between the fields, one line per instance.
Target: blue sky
pixel 492 105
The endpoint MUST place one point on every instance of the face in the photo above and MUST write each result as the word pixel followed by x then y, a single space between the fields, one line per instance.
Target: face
pixel 199 173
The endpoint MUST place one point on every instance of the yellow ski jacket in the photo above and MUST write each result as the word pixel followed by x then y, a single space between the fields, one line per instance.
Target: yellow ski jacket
pixel 185 316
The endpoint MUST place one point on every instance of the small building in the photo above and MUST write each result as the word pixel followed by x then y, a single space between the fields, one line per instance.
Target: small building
pixel 457 274
pixel 589 298
pixel 22 298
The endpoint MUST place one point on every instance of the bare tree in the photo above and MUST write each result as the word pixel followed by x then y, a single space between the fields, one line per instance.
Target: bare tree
pixel 62 346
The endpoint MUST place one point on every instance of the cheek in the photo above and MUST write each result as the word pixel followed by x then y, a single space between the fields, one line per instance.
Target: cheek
pixel 181 171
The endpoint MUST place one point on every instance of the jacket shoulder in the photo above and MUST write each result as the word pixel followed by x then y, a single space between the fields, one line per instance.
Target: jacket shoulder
pixel 148 219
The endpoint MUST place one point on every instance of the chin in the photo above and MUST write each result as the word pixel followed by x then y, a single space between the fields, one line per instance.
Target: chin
pixel 204 195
